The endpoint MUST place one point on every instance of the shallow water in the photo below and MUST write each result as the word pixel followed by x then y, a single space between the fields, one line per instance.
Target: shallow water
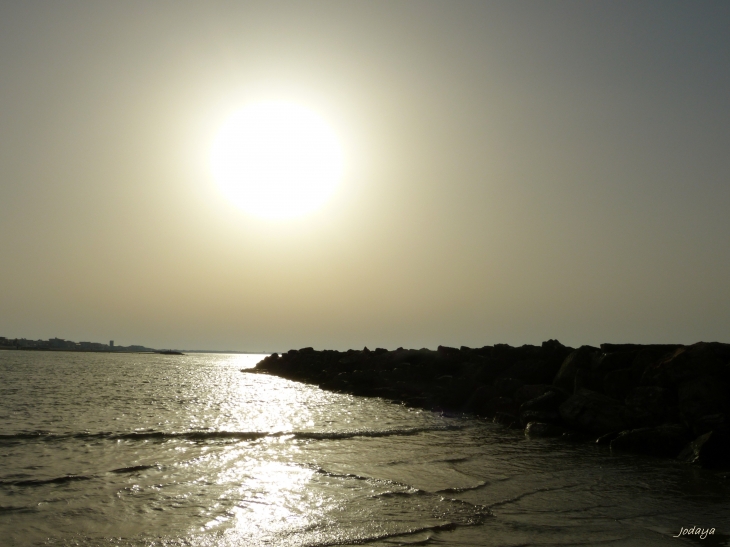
pixel 110 449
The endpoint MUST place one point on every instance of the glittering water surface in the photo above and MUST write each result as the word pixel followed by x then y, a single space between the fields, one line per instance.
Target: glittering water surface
pixel 105 449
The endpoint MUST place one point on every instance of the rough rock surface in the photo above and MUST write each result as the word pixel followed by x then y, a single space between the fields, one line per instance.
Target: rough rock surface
pixel 642 398
pixel 711 449
pixel 666 440
pixel 596 413
pixel 538 429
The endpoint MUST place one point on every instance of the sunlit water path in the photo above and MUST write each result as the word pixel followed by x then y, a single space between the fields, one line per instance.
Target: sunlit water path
pixel 105 449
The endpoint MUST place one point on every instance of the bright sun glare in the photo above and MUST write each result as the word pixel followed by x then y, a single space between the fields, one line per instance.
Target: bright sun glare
pixel 276 160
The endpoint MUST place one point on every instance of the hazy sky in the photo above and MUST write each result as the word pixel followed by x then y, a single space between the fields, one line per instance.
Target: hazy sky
pixel 515 171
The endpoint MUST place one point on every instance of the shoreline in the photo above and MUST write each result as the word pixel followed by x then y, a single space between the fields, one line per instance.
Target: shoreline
pixel 2 348
pixel 664 400
pixel 151 352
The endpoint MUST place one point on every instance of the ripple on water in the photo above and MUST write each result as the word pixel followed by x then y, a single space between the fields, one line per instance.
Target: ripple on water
pixel 141 449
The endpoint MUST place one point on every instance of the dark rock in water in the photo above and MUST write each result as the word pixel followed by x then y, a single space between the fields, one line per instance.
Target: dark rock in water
pixel 653 405
pixel 550 400
pixel 529 392
pixel 618 384
pixel 338 383
pixel 543 416
pixel 506 387
pixel 385 393
pixel 417 401
pixel 505 418
pixel 664 440
pixel 711 450
pixel 596 413
pixel 481 401
pixel 578 359
pixel 505 405
pixel 620 387
pixel 607 437
pixel 574 436
pixel 537 429
pixel 455 394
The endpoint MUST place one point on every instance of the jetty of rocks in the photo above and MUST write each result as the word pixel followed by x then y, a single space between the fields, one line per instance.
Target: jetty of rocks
pixel 667 400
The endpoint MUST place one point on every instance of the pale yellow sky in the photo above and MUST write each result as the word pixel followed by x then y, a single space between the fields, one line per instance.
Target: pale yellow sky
pixel 515 171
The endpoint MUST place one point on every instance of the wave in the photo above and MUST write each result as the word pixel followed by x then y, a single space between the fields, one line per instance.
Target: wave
pixel 188 435
pixel 72 478
pixel 47 436
pixel 336 435
pixel 134 469
pixel 479 486
pixel 16 509
pixel 56 480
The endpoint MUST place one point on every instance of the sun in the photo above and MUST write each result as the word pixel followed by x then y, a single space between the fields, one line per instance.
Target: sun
pixel 276 160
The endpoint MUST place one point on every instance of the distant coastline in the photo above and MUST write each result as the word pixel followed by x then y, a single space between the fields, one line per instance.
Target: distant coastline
pixel 10 348
pixel 60 344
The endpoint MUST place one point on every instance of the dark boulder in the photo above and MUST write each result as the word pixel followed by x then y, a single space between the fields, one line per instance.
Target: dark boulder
pixel 608 362
pixel 660 348
pixel 705 424
pixel 653 405
pixel 338 383
pixel 618 384
pixel 711 450
pixel 454 394
pixel 606 438
pixel 543 416
pixel 448 351
pixel 489 368
pixel 363 382
pixel 702 396
pixel 532 371
pixel 531 391
pixel 542 430
pixel 507 419
pixel 578 359
pixel 507 387
pixel 649 356
pixel 554 351
pixel 453 355
pixel 505 405
pixel 664 441
pixel 481 401
pixel 384 392
pixel 587 378
pixel 543 408
pixel 595 413
pixel 550 400
pixel 687 363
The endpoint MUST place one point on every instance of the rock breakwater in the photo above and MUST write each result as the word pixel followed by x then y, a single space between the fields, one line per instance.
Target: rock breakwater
pixel 663 400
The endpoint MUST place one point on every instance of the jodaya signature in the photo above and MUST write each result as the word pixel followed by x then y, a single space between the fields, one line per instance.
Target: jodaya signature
pixel 695 530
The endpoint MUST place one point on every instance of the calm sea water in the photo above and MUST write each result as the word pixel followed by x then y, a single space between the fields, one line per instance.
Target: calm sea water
pixel 104 449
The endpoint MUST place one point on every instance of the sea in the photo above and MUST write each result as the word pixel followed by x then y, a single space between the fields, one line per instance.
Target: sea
pixel 110 449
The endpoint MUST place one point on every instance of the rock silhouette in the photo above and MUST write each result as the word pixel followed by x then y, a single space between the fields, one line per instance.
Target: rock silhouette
pixel 663 400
